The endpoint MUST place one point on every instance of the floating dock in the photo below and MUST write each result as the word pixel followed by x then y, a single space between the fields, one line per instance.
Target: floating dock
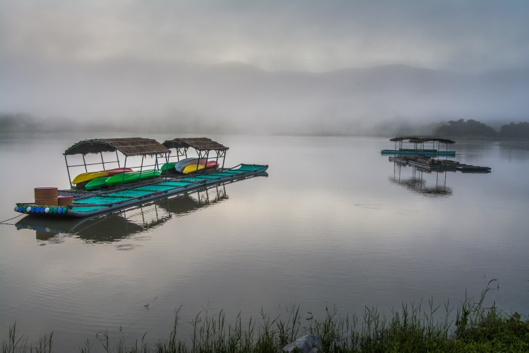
pixel 161 183
pixel 432 164
pixel 89 204
pixel 125 222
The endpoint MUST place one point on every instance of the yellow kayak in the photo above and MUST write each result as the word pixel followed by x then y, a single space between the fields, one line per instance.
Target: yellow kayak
pixel 192 168
pixel 81 178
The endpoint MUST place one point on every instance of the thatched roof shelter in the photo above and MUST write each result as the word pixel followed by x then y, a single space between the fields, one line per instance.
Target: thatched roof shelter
pixel 198 143
pixel 397 139
pixel 129 146
pixel 431 139
pixel 415 139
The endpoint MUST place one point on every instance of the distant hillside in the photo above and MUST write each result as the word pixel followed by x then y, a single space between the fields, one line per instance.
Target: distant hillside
pixel 243 98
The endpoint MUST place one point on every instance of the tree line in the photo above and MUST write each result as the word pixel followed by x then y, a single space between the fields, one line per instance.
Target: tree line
pixel 453 128
pixel 473 128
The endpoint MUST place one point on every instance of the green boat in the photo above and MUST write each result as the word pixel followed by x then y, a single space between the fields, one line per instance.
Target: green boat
pixel 96 184
pixel 168 166
pixel 131 177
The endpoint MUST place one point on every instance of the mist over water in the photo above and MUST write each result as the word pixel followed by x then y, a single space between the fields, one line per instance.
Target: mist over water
pixel 237 98
pixel 354 67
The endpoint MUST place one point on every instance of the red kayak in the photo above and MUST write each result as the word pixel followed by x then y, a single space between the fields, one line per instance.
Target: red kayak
pixel 210 164
pixel 117 171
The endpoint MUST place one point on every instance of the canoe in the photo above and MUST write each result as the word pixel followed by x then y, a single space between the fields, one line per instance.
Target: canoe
pixel 117 171
pixel 96 184
pixel 180 165
pixel 131 177
pixel 84 177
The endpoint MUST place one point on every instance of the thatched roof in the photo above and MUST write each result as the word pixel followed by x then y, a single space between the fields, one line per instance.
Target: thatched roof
pixel 129 146
pixel 415 139
pixel 397 139
pixel 198 143
pixel 431 139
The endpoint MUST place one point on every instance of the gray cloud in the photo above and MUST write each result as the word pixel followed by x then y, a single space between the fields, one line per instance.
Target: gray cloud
pixel 274 35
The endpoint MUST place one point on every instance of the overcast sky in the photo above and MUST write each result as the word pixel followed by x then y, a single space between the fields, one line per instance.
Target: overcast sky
pixel 465 36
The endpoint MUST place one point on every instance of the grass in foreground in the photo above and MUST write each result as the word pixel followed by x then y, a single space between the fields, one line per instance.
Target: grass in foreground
pixel 474 328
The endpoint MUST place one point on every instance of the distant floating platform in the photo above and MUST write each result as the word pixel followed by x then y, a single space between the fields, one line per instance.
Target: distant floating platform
pixel 430 164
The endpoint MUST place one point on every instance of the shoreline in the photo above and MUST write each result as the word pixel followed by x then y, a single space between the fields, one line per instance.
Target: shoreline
pixel 472 326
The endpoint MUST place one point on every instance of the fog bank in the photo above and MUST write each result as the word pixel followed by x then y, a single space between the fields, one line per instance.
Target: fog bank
pixel 236 97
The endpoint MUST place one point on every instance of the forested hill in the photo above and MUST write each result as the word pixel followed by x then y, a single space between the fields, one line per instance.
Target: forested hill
pixel 476 129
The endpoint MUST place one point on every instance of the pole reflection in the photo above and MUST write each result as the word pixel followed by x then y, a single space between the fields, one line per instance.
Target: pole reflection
pixel 122 224
pixel 415 180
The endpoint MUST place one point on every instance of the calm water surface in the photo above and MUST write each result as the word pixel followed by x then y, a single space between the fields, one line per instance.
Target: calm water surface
pixel 334 224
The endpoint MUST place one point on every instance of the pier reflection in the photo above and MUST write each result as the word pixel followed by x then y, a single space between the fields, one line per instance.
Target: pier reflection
pixel 416 179
pixel 125 223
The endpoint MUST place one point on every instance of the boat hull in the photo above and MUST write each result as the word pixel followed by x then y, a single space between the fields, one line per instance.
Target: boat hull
pixel 180 165
pixel 115 171
pixel 168 166
pixel 84 177
pixel 96 184
pixel 192 168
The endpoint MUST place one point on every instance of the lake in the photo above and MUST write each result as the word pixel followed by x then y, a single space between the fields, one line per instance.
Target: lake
pixel 335 224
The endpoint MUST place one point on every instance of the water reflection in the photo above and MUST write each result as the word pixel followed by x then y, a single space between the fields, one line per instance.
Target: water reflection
pixel 122 224
pixel 413 178
pixel 514 150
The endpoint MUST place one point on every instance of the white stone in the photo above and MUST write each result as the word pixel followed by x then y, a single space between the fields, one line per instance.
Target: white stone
pixel 305 344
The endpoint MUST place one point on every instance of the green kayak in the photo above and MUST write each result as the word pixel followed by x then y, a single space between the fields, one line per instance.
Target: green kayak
pixel 131 177
pixel 168 166
pixel 96 184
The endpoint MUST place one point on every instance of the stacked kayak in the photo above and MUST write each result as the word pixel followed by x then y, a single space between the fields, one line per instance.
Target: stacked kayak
pixel 98 180
pixel 120 178
pixel 96 184
pixel 131 177
pixel 168 166
pixel 191 168
pixel 180 165
pixel 85 177
pixel 190 165
pixel 117 171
